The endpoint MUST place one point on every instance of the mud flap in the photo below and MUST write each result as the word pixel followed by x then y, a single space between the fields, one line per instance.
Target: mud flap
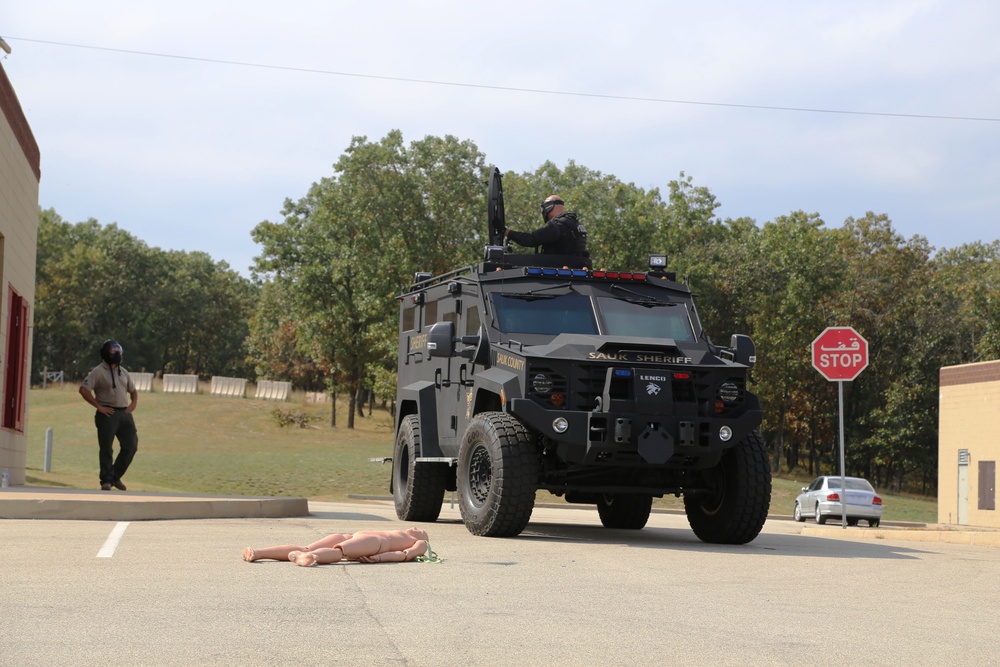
pixel 655 445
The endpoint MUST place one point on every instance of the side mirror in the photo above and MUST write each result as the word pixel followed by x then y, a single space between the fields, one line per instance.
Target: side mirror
pixel 744 350
pixel 441 339
pixel 479 353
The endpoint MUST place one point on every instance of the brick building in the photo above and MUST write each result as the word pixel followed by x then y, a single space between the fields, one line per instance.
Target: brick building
pixel 19 176
pixel 969 444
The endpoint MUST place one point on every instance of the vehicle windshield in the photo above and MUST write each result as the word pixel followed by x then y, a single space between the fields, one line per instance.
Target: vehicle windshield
pixel 542 312
pixel 645 318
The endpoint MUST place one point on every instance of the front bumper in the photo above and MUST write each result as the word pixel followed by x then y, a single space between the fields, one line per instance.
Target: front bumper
pixel 635 439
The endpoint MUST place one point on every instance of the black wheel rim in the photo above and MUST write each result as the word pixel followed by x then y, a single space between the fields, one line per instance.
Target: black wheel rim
pixel 712 502
pixel 404 469
pixel 480 475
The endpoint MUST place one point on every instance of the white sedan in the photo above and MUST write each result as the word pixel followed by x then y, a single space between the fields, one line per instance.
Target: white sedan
pixel 821 500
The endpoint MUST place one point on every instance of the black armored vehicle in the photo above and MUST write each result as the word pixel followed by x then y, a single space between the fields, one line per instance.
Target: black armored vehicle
pixel 536 372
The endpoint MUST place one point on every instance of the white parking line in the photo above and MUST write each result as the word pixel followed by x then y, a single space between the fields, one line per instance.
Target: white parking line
pixel 110 544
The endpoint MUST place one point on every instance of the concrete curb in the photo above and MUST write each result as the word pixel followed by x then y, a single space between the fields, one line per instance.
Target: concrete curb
pixel 940 534
pixel 74 504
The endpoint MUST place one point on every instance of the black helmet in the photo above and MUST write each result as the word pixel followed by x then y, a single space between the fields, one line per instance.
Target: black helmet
pixel 107 354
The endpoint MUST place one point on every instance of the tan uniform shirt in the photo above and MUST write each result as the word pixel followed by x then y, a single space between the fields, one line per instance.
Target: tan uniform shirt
pixel 108 390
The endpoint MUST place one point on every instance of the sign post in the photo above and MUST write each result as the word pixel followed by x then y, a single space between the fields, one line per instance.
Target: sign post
pixel 840 354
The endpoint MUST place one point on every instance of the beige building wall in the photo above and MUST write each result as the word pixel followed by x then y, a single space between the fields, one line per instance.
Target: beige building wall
pixel 969 444
pixel 19 177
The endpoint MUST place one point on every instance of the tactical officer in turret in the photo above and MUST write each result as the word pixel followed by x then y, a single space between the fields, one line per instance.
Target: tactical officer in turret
pixel 563 233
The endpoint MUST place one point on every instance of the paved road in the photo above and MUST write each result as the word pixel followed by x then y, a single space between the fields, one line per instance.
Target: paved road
pixel 567 592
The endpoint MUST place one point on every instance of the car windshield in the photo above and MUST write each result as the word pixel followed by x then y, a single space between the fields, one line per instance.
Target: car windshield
pixel 852 484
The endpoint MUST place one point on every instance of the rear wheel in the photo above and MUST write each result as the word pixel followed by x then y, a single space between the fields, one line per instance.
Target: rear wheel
pixel 873 523
pixel 417 490
pixel 624 510
pixel 735 508
pixel 820 519
pixel 497 475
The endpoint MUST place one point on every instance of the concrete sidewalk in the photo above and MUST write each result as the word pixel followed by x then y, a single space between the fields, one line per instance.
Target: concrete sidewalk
pixel 38 502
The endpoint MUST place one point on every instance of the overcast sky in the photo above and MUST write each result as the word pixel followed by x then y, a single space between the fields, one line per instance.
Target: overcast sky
pixel 189 122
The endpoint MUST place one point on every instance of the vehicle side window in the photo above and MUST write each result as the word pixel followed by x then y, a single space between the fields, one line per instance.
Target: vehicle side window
pixel 818 482
pixel 430 313
pixel 409 319
pixel 472 323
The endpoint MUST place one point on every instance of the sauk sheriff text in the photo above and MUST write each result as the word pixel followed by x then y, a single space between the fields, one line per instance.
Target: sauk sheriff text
pixel 638 358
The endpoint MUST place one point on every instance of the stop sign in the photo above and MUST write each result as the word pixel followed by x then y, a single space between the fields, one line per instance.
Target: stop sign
pixel 840 353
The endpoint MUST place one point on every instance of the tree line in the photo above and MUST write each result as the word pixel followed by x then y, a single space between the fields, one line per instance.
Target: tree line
pixel 320 309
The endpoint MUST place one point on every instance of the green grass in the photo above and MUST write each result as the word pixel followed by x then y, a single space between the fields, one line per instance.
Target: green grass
pixel 208 444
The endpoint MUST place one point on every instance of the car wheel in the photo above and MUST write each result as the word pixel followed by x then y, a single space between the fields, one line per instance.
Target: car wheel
pixel 624 510
pixel 417 491
pixel 732 508
pixel 852 522
pixel 820 519
pixel 497 475
pixel 873 523
pixel 798 513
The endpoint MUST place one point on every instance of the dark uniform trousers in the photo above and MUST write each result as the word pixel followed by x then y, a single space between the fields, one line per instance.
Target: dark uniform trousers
pixel 120 425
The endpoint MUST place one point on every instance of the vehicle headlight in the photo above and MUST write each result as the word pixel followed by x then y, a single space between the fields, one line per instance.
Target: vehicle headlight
pixel 541 384
pixel 560 424
pixel 729 392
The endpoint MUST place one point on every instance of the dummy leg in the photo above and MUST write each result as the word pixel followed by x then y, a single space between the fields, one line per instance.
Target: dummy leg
pixel 321 556
pixel 273 553
pixel 328 541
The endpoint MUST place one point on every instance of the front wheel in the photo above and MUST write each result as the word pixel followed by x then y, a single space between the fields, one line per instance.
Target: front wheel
pixel 629 511
pixel 798 513
pixel 497 475
pixel 734 508
pixel 417 490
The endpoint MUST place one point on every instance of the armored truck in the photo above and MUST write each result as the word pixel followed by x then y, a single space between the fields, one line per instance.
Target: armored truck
pixel 532 372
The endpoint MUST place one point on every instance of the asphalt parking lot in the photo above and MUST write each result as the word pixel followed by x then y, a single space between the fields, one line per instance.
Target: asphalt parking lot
pixel 566 592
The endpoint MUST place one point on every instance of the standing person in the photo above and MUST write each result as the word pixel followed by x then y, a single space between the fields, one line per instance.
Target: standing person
pixel 110 389
pixel 562 234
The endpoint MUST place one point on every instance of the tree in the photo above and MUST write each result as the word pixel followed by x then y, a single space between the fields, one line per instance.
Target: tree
pixel 349 246
pixel 171 310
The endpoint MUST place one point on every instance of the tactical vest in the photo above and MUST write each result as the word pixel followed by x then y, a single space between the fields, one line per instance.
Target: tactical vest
pixel 572 237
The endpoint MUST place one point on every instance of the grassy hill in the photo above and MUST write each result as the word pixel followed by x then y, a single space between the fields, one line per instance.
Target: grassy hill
pixel 199 443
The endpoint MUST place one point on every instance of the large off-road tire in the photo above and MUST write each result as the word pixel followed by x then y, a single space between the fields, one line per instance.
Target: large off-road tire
pixel 624 510
pixel 497 475
pixel 417 490
pixel 735 510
